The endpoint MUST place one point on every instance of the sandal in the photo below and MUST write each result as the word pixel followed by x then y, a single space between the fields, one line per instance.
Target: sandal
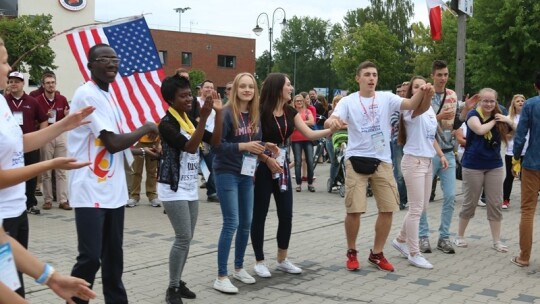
pixel 311 188
pixel 515 261
pixel 460 242
pixel 499 247
pixel 298 188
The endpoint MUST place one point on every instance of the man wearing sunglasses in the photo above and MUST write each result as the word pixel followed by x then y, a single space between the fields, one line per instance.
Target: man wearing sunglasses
pixel 99 192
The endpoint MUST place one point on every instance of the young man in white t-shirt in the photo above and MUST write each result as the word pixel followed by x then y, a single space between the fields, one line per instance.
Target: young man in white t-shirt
pixel 98 192
pixel 367 114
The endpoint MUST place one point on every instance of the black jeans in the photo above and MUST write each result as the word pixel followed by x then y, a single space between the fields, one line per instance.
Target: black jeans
pixel 100 234
pixel 265 186
pixel 30 158
pixel 17 228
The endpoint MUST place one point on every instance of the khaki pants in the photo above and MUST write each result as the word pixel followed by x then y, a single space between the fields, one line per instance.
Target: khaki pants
pixel 530 185
pixel 151 174
pixel 55 148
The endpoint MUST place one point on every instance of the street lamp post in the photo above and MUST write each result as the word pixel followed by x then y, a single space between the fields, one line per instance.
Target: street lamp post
pixel 258 30
pixel 295 49
pixel 180 11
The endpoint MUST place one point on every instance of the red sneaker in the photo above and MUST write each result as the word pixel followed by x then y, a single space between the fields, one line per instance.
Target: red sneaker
pixel 379 261
pixel 506 204
pixel 352 261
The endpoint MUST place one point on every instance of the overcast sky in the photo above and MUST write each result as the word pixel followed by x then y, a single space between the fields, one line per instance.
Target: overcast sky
pixel 233 17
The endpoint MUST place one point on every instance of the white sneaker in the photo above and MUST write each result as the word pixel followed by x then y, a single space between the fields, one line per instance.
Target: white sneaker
pixel 244 277
pixel 481 204
pixel 225 286
pixel 401 247
pixel 460 242
pixel 132 203
pixel 419 260
pixel 261 270
pixel 288 266
pixel 155 202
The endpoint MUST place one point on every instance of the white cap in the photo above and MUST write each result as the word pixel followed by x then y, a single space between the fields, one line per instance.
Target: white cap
pixel 16 75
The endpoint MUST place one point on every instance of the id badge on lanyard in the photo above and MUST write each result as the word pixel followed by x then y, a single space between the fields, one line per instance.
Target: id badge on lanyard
pixel 18 117
pixel 249 164
pixel 282 156
pixel 377 139
pixel 8 271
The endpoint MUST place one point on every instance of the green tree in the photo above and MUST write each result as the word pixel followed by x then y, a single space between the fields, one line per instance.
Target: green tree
pixel 503 42
pixel 310 37
pixel 396 15
pixel 261 67
pixel 364 43
pixel 23 34
pixel 196 77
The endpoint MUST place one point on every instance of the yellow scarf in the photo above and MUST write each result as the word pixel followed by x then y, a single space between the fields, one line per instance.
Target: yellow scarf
pixel 488 135
pixel 184 122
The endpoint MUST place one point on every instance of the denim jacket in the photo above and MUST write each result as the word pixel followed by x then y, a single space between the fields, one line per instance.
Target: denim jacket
pixel 529 122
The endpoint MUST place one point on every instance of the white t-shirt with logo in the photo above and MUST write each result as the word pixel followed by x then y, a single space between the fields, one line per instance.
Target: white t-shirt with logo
pixel 188 189
pixel 369 123
pixel 421 131
pixel 103 183
pixel 12 199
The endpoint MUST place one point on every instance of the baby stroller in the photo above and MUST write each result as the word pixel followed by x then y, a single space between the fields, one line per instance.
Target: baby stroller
pixel 339 142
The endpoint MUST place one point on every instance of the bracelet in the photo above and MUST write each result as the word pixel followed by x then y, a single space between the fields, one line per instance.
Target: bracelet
pixel 46 275
pixel 143 153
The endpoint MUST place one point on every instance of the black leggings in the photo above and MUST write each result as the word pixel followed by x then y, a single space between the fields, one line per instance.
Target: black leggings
pixel 509 180
pixel 265 186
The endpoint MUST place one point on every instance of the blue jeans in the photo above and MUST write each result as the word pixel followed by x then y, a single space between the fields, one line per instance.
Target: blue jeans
pixel 210 185
pixel 307 147
pixel 235 192
pixel 334 166
pixel 448 186
pixel 397 155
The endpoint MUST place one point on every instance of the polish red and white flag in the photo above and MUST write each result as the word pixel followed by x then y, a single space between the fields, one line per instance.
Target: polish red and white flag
pixel 435 17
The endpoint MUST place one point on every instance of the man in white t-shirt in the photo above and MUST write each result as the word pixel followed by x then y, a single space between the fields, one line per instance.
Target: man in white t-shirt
pixel 98 192
pixel 367 114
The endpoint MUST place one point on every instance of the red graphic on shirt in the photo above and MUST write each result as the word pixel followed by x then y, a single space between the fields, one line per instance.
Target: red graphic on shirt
pixel 103 162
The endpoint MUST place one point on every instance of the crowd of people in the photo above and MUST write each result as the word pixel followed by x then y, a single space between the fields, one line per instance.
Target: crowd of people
pixel 243 141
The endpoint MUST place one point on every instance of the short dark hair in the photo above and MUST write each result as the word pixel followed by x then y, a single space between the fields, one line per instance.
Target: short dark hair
pixel 170 85
pixel 47 73
pixel 92 51
pixel 437 65
pixel 537 80
pixel 364 65
pixel 205 81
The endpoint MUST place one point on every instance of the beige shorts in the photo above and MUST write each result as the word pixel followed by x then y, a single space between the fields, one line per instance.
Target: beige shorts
pixel 383 186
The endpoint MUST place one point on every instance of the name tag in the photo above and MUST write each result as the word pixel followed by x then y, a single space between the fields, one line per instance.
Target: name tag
pixel 282 156
pixel 377 140
pixel 52 117
pixel 8 271
pixel 249 164
pixel 18 117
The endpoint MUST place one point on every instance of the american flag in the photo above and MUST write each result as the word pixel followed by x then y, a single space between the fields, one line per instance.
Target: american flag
pixel 137 85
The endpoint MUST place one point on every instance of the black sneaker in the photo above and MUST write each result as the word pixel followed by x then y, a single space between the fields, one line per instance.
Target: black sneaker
pixel 185 292
pixel 213 198
pixel 173 296
pixel 33 210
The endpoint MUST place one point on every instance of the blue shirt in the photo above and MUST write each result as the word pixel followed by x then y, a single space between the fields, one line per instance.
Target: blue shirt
pixel 528 123
pixel 481 154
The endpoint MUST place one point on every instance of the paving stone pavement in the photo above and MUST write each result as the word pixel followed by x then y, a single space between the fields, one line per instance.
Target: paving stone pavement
pixel 476 274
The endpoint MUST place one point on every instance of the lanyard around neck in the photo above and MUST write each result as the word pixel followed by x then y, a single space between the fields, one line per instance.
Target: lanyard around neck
pixel 372 107
pixel 284 134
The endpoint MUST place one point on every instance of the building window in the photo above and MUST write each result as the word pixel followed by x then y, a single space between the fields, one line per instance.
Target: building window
pixel 163 57
pixel 186 58
pixel 225 61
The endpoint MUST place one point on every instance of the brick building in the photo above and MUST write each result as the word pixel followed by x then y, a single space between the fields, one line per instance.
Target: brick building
pixel 220 57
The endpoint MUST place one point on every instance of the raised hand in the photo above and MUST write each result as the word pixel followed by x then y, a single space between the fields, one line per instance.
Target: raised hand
pixel 67 163
pixel 76 119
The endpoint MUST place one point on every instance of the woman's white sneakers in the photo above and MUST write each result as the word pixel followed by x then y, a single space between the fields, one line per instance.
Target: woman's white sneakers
pixel 420 261
pixel 225 286
pixel 244 277
pixel 288 266
pixel 261 270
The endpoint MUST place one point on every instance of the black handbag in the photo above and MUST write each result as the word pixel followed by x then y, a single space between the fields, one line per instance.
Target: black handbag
pixel 364 165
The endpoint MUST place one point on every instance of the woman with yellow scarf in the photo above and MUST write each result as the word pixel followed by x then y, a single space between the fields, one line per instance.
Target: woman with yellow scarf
pixel 181 139
pixel 483 165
